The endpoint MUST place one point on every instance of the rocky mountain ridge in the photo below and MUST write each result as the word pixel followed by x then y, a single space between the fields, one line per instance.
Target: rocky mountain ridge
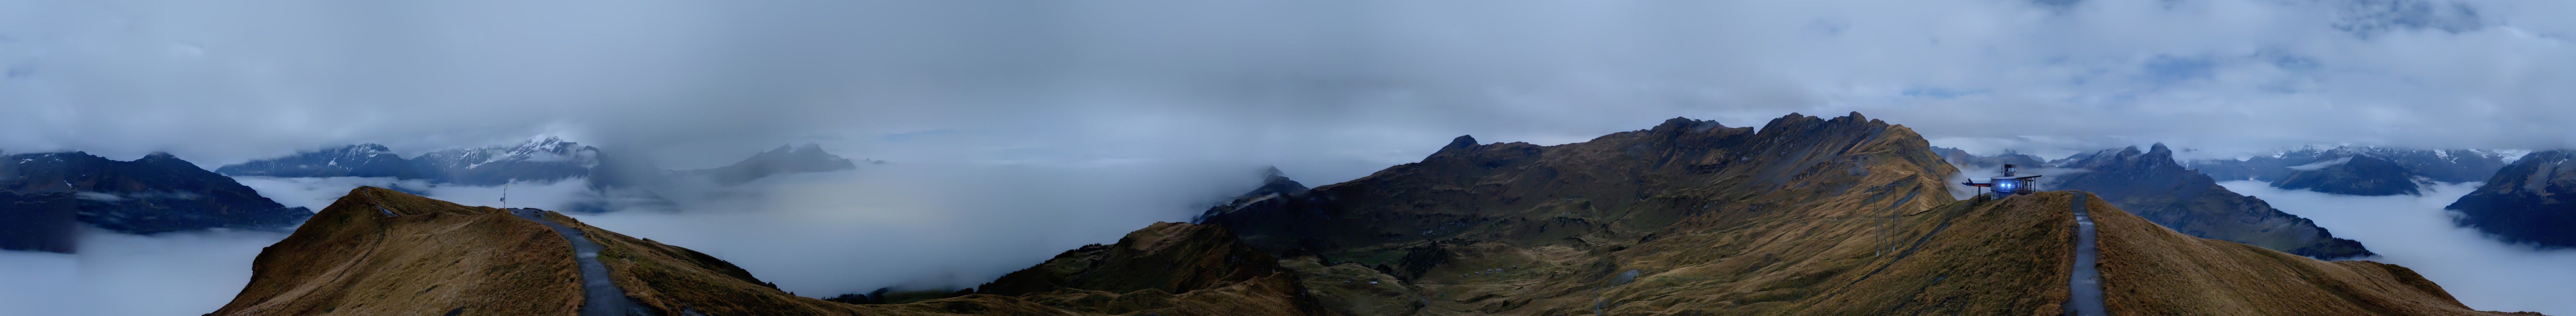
pixel 2531 201
pixel 155 194
pixel 2448 166
pixel 543 159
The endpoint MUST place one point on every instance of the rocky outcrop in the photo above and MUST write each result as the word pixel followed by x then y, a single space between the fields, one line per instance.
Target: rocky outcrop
pixel 2531 201
pixel 2354 175
pixel 156 194
pixel 785 159
pixel 2150 184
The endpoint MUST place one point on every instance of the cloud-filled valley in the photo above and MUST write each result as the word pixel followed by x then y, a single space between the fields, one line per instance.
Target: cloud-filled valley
pixel 2414 231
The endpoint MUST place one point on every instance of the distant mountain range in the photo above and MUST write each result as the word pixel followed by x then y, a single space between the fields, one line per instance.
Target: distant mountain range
pixel 43 195
pixel 541 159
pixel 2352 170
pixel 537 160
pixel 2533 200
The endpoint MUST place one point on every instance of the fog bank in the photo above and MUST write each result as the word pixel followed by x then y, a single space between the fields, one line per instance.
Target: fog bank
pixel 2414 231
pixel 186 273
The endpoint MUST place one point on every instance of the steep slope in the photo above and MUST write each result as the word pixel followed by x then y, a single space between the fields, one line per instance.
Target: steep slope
pixel 2533 201
pixel 383 252
pixel 2355 175
pixel 364 160
pixel 785 159
pixel 2152 185
pixel 156 194
pixel 2148 269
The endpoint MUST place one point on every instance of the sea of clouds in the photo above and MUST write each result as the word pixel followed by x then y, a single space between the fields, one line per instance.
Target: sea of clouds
pixel 2414 231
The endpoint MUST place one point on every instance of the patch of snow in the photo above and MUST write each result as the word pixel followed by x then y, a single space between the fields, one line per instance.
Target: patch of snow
pixel 2321 164
pixel 2511 155
pixel 98 196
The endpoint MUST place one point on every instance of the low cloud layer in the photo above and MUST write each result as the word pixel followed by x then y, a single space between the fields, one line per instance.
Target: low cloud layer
pixel 2414 231
pixel 188 273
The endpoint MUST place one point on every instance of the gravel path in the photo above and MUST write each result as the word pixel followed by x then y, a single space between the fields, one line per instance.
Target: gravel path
pixel 601 297
pixel 2085 289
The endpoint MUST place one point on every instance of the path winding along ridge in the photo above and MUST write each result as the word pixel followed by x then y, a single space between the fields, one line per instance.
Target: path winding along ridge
pixel 601 297
pixel 2085 288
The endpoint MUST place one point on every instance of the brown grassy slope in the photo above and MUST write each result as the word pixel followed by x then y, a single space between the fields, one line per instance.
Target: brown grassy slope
pixel 438 257
pixel 1213 270
pixel 2148 269
pixel 677 279
pixel 2001 257
pixel 1739 219
pixel 435 258
pixel 1964 258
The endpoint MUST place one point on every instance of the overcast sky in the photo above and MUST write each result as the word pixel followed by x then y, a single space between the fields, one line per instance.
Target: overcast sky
pixel 1327 89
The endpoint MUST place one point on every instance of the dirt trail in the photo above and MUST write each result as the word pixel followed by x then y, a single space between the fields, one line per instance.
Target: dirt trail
pixel 2085 289
pixel 601 297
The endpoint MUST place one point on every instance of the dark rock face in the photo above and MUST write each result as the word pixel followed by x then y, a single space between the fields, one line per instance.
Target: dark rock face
pixel 38 221
pixel 785 159
pixel 2450 166
pixel 367 160
pixel 2151 185
pixel 156 194
pixel 2533 200
pixel 2354 175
